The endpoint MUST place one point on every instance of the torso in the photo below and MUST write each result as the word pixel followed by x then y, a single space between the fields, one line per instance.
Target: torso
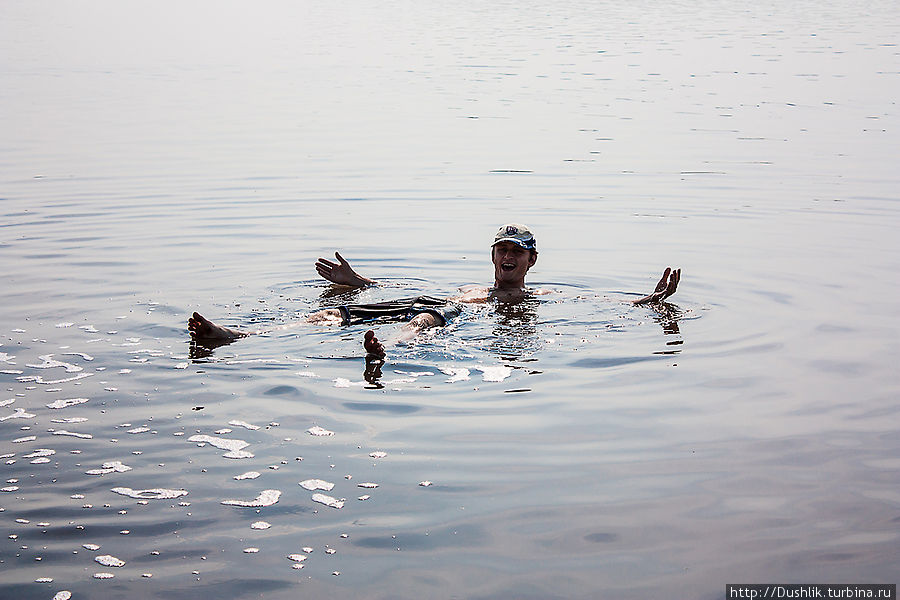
pixel 474 293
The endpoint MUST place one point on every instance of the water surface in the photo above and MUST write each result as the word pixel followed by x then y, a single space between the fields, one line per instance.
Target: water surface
pixel 161 158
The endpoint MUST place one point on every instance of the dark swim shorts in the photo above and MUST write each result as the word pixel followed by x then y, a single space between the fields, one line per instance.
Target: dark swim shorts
pixel 399 310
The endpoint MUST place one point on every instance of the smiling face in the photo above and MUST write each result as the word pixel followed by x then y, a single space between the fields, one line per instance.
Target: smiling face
pixel 511 263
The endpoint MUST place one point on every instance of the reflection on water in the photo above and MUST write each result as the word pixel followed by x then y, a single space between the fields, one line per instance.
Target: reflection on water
pixel 514 331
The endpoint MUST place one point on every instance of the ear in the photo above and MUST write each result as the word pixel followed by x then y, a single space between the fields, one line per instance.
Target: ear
pixel 532 259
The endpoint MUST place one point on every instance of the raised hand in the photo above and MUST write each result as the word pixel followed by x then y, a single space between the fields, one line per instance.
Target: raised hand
pixel 341 272
pixel 667 285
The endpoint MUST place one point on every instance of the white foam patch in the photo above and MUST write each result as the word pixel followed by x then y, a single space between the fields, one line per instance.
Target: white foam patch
pixel 151 494
pixel 328 501
pixel 86 357
pixel 63 595
pixel 367 485
pixel 9 488
pixel 260 525
pixel 378 454
pixel 49 362
pixel 456 374
pixel 234 447
pixel 27 438
pixel 4 357
pixel 247 475
pixel 40 379
pixel 341 382
pixel 84 436
pixel 114 466
pixel 296 557
pixel 40 461
pixel 6 402
pixel 244 424
pixel 413 374
pixel 316 484
pixel 251 550
pixel 70 420
pixel 44 580
pixel 495 373
pixel 251 361
pixel 137 430
pixel 103 575
pixel 265 498
pixel 91 547
pixel 319 431
pixel 108 560
pixel 19 413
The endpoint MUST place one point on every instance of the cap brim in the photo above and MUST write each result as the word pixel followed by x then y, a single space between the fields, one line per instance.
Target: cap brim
pixel 514 241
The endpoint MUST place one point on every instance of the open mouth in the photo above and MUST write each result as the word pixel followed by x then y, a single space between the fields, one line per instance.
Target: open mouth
pixel 508 266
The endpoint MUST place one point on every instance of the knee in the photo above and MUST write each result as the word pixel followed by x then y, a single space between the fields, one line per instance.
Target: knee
pixel 423 321
pixel 327 316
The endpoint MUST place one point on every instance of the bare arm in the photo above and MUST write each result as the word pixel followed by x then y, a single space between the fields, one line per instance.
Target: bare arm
pixel 667 285
pixel 341 272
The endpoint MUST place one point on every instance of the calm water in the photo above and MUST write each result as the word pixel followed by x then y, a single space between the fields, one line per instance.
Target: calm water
pixel 162 158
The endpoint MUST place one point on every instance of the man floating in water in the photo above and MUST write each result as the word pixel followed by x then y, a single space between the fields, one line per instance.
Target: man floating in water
pixel 513 253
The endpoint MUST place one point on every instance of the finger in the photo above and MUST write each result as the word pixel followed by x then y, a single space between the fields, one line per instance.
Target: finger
pixel 340 258
pixel 326 263
pixel 673 282
pixel 661 285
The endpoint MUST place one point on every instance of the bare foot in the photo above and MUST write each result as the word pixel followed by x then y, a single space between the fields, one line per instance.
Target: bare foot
pixel 202 329
pixel 374 348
